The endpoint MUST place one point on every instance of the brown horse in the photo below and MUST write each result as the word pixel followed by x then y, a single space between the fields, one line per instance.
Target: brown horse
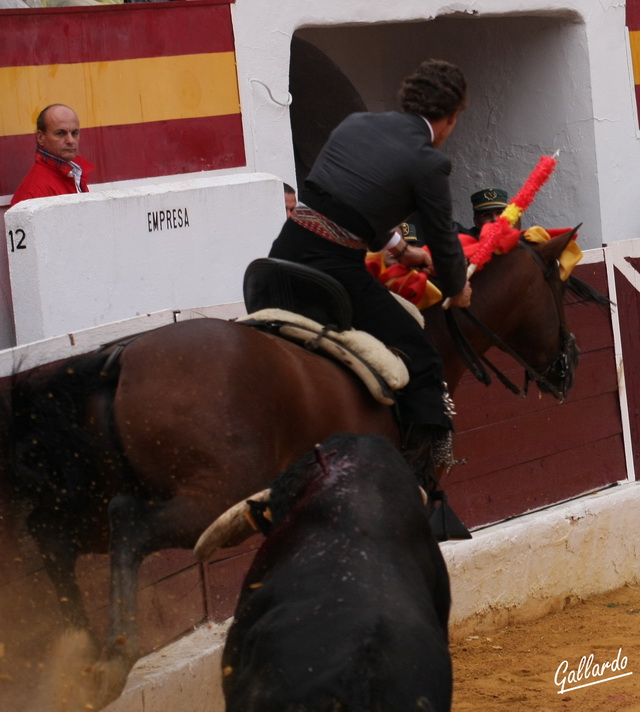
pixel 138 447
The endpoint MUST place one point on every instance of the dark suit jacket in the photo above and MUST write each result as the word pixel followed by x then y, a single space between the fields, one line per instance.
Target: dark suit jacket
pixel 385 167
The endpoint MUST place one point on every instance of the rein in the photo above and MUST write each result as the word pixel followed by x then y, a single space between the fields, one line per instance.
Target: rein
pixel 476 362
pixel 532 374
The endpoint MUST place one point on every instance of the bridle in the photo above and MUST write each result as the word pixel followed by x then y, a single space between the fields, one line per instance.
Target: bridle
pixel 561 366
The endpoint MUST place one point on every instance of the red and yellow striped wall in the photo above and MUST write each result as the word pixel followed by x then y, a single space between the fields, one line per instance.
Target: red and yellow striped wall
pixel 633 23
pixel 154 84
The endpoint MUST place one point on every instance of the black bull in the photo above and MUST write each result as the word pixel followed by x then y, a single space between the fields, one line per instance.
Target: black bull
pixel 345 607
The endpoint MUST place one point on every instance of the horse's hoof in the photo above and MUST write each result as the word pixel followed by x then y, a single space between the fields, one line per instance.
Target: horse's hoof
pixel 108 680
pixel 80 681
pixel 72 657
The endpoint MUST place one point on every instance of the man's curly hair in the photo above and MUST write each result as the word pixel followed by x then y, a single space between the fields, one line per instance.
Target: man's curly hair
pixel 435 90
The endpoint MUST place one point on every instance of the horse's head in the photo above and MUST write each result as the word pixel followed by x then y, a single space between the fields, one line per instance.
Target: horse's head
pixel 554 354
pixel 518 305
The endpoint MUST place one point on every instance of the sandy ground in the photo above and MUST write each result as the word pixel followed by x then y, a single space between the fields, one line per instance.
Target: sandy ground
pixel 515 668
pixel 518 668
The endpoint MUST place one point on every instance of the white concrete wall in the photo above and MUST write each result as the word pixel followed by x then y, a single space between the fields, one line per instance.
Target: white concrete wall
pixel 543 76
pixel 522 104
pixel 83 260
pixel 7 333
pixel 535 564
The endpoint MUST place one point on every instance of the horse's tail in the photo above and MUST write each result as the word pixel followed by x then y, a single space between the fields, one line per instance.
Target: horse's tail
pixel 53 452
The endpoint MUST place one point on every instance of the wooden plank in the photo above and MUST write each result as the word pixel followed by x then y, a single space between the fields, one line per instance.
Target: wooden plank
pixel 591 326
pixel 535 435
pixel 629 318
pixel 477 404
pixel 166 607
pixel 165 563
pixel 171 606
pixel 223 580
pixel 594 274
pixel 93 573
pixel 514 490
pixel 590 323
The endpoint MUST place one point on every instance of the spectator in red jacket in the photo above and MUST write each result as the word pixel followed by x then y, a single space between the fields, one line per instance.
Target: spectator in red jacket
pixel 58 168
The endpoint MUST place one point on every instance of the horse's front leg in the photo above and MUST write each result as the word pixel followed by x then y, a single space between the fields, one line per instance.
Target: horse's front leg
pixel 129 545
pixel 85 677
pixel 138 528
pixel 77 648
pixel 130 542
pixel 59 550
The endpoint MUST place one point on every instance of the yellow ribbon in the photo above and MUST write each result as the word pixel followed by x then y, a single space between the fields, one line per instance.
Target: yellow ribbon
pixel 570 256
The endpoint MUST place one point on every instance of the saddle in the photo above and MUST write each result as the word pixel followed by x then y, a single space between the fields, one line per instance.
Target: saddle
pixel 272 283
pixel 304 305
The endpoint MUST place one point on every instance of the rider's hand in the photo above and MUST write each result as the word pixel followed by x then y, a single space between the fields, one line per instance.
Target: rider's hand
pixel 417 258
pixel 463 299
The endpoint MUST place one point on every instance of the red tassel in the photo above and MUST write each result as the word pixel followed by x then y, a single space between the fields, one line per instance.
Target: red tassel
pixel 539 176
pixel 499 235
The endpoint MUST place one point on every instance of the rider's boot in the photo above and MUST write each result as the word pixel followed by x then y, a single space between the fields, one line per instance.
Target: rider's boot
pixel 428 450
pixel 417 451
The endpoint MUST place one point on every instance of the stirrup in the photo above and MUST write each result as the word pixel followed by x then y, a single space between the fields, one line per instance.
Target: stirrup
pixel 445 523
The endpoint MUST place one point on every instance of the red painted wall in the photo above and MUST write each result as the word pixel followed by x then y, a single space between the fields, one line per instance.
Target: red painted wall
pixel 108 40
pixel 628 303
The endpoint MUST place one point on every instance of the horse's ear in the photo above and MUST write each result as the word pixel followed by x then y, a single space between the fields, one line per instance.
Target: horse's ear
pixel 552 249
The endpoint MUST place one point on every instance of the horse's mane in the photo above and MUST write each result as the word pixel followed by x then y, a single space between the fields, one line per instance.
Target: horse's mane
pixel 50 448
pixel 584 293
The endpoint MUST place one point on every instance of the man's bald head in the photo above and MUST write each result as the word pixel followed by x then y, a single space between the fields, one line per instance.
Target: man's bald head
pixel 58 131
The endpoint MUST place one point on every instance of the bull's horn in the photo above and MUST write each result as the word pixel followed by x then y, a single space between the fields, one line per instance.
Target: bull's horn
pixel 424 495
pixel 229 529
